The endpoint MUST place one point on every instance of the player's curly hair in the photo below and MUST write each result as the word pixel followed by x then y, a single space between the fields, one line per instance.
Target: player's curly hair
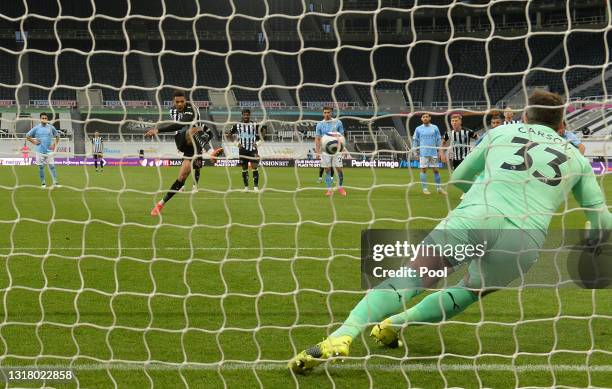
pixel 538 111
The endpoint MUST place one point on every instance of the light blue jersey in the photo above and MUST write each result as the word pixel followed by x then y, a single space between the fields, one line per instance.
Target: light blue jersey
pixel 427 140
pixel 572 138
pixel 45 135
pixel 324 127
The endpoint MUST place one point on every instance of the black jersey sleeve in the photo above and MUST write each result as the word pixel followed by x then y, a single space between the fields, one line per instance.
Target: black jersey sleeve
pixel 169 127
pixel 189 116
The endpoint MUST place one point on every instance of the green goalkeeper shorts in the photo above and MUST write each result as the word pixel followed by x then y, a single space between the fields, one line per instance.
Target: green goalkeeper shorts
pixel 508 252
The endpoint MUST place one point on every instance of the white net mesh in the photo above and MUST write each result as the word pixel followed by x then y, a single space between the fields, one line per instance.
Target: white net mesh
pixel 226 287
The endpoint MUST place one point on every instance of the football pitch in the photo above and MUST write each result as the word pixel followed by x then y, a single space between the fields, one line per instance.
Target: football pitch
pixel 227 286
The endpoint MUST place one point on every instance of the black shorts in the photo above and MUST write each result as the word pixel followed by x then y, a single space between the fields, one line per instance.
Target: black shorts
pixel 247 156
pixel 456 163
pixel 182 144
pixel 97 155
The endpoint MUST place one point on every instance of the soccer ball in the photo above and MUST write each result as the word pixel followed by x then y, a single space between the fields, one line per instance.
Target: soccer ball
pixel 332 143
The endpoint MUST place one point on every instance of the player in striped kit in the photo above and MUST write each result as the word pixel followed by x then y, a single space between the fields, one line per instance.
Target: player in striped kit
pixel 509 116
pixel 249 135
pixel 457 142
pixel 97 147
pixel 190 136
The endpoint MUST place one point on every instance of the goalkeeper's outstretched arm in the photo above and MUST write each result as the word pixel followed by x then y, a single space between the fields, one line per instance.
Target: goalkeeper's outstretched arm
pixel 472 165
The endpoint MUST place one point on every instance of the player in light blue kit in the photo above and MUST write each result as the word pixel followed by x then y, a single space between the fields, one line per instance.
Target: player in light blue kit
pixel 46 138
pixel 571 138
pixel 329 162
pixel 427 142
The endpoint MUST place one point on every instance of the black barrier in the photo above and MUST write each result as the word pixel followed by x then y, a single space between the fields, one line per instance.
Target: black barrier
pixel 315 163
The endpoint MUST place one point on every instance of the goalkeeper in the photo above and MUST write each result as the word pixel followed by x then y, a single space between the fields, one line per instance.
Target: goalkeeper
pixel 525 172
pixel 190 137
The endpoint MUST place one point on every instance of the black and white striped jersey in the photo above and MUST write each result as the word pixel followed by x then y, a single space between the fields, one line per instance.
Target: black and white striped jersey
pixel 190 115
pixel 248 134
pixel 459 142
pixel 512 121
pixel 97 145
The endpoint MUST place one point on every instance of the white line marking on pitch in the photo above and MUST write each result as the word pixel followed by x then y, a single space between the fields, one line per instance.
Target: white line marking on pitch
pixel 182 248
pixel 351 366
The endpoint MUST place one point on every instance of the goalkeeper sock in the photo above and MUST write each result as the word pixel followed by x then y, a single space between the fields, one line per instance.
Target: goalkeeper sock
pixel 255 177
pixel 437 179
pixel 53 173
pixel 196 175
pixel 340 178
pixel 173 189
pixel 245 178
pixel 436 307
pixel 423 180
pixel 374 307
pixel 41 174
pixel 328 180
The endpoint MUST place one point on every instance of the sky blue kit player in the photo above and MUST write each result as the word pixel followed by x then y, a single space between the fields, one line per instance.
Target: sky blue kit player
pixel 427 141
pixel 573 140
pixel 325 127
pixel 46 138
pixel 329 162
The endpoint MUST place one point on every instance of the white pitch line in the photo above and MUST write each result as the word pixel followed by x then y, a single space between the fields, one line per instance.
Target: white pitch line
pixel 350 366
pixel 181 248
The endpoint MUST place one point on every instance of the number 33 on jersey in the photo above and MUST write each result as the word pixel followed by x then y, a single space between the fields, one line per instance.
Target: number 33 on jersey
pixel 527 171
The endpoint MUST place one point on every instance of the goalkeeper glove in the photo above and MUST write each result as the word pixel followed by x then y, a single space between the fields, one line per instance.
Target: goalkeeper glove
pixel 594 239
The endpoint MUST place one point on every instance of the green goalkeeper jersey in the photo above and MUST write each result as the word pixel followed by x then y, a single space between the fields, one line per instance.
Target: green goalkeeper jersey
pixel 526 171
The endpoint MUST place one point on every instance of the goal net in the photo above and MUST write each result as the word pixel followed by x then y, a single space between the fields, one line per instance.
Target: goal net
pixel 226 286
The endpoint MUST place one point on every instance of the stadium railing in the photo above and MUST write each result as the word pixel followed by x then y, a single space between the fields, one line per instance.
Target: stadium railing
pixel 135 137
pixel 465 104
pixel 395 139
pixel 367 136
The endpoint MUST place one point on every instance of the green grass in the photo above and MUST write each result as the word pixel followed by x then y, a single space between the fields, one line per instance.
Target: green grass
pixel 87 277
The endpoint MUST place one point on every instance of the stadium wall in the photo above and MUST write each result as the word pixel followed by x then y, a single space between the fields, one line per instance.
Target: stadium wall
pixel 13 147
pixel 115 149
